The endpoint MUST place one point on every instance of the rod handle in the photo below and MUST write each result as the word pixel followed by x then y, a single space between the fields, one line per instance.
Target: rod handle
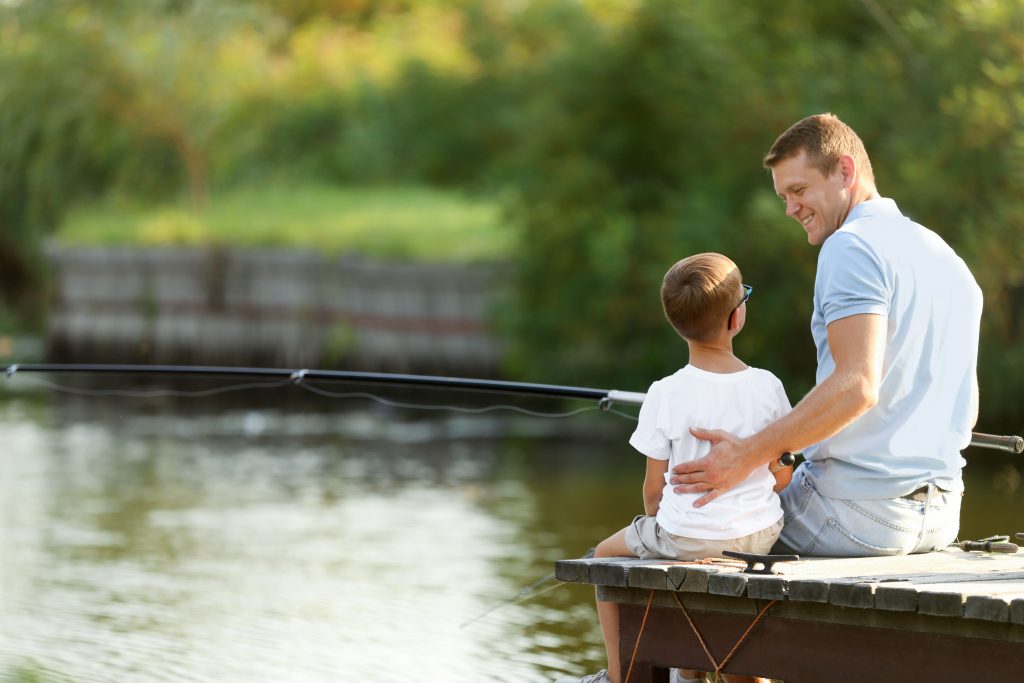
pixel 1012 444
pixel 988 547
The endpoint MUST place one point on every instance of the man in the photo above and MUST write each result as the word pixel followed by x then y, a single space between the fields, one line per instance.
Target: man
pixel 895 322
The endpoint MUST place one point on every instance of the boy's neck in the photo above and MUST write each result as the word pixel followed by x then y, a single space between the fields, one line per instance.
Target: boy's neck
pixel 716 356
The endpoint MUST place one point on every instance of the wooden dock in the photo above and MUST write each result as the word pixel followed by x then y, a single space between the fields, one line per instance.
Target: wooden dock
pixel 939 616
pixel 238 306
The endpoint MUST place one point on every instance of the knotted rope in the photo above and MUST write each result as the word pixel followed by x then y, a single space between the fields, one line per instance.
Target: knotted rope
pixel 700 639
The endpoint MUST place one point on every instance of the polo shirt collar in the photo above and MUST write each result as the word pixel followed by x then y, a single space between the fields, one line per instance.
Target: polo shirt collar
pixel 883 206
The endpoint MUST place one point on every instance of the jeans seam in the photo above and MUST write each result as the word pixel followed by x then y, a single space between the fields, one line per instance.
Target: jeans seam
pixel 875 518
pixel 846 533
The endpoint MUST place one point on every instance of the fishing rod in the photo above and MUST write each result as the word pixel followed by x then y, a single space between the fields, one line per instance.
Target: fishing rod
pixel 606 397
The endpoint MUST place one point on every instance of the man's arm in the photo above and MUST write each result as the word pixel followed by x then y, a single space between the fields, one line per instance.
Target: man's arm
pixel 857 344
pixel 654 485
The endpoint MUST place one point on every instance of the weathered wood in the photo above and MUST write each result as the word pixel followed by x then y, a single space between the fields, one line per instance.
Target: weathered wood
pixel 988 608
pixel 700 601
pixel 696 579
pixel 941 604
pixel 896 598
pixel 732 584
pixel 288 308
pixel 809 651
pixel 572 571
pixel 1017 611
pixel 808 590
pixel 650 576
pixel 958 585
pixel 676 575
pixel 767 588
pixel 858 594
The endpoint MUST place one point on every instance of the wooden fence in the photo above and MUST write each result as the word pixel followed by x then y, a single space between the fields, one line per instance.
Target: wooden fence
pixel 269 307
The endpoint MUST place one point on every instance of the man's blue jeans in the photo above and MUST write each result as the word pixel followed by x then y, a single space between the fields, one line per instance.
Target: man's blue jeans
pixel 833 527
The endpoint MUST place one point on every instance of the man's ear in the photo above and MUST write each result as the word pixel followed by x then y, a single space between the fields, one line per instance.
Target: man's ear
pixel 847 170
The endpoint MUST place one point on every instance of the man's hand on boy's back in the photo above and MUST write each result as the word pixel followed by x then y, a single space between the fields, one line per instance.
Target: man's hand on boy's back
pixel 727 464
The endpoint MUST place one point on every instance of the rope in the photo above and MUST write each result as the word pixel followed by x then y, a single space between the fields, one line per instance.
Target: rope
pixel 693 626
pixel 719 666
pixel 746 633
pixel 640 633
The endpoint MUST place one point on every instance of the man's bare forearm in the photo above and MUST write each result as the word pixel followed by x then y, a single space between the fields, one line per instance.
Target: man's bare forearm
pixel 823 412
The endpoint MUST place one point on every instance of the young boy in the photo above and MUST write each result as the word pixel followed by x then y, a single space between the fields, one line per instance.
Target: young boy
pixel 705 301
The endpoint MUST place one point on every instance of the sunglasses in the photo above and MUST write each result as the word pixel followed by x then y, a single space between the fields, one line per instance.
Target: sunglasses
pixel 747 291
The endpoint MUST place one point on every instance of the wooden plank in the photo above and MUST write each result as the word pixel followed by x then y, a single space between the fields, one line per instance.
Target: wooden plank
pixel 800 650
pixel 896 598
pixel 989 608
pixel 808 590
pixel 697 578
pixel 860 594
pixel 767 587
pixel 677 577
pixel 572 571
pixel 941 604
pixel 667 599
pixel 962 585
pixel 911 621
pixel 649 576
pixel 731 584
pixel 614 571
pixel 1017 611
pixel 987 598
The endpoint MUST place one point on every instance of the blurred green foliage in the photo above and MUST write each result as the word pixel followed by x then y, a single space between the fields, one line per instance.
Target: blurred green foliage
pixel 619 134
pixel 413 223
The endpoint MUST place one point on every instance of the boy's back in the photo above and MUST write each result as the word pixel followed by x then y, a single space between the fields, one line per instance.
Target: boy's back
pixel 740 402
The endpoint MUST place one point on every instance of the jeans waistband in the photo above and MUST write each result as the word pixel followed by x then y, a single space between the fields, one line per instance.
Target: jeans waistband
pixel 921 494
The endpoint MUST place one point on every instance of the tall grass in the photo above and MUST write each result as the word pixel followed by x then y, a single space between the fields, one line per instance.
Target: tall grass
pixel 391 222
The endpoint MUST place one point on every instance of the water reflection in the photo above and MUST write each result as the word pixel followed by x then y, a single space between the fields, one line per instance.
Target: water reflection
pixel 262 546
pixel 149 543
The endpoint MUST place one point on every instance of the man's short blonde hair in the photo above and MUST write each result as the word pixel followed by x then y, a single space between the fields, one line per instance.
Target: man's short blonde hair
pixel 699 293
pixel 825 139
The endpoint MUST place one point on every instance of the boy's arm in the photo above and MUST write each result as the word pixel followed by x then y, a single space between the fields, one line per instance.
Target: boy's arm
pixel 783 475
pixel 654 485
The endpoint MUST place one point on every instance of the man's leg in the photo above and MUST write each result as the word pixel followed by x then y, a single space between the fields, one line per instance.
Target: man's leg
pixel 834 527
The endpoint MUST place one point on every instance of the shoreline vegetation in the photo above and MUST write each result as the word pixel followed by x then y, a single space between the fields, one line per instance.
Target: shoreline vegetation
pixel 613 136
pixel 408 222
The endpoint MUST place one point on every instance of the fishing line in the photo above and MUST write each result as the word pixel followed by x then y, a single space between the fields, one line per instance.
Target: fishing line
pixel 431 406
pixel 179 393
pixel 526 593
pixel 156 393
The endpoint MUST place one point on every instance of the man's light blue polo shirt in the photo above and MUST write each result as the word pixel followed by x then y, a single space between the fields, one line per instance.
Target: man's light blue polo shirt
pixel 880 262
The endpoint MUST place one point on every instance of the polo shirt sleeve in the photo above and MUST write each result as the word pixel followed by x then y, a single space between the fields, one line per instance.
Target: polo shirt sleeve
pixel 850 280
pixel 650 437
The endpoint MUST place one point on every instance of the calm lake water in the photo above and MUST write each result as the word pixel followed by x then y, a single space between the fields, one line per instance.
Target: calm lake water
pixel 268 538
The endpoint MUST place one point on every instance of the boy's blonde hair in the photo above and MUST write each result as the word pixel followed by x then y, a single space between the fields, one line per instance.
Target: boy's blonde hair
pixel 699 293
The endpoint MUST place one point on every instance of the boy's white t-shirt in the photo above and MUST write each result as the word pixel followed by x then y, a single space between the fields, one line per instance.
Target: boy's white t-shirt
pixel 741 403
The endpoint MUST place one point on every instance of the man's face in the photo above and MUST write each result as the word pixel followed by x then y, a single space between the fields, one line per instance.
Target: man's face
pixel 818 202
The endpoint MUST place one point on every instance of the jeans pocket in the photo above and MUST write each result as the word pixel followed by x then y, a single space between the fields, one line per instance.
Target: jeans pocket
pixel 795 498
pixel 838 540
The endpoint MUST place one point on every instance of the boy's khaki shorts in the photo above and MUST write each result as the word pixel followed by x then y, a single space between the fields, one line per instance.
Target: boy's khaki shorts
pixel 648 540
